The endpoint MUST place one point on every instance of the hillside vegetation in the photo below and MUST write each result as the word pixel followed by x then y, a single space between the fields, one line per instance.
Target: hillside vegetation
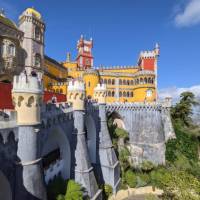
pixel 180 177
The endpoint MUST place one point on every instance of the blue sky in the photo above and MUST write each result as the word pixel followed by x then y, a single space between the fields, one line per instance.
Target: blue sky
pixel 121 29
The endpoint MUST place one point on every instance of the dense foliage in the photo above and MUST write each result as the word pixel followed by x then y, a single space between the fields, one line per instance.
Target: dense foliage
pixel 59 189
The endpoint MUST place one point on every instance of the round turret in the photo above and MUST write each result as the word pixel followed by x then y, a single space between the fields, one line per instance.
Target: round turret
pixel 100 93
pixel 91 79
pixel 27 97
pixel 76 94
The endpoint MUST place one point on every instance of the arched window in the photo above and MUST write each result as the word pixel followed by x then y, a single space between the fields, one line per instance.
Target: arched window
pixel 61 91
pixel 30 101
pixel 124 82
pixel 11 50
pixel 37 60
pixel 105 81
pixel 127 94
pixel 132 82
pixel 149 80
pixel 145 80
pixel 113 81
pixel 120 81
pixel 120 94
pixel 152 81
pixel 101 81
pixel 57 90
pixel 141 81
pixel 124 94
pixel 109 93
pixel 131 94
pixel 137 81
pixel 37 33
pixel 113 93
pixel 128 82
pixel 109 81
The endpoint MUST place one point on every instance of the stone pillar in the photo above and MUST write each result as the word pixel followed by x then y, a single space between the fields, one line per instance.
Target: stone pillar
pixel 108 162
pixel 27 96
pixel 166 118
pixel 83 169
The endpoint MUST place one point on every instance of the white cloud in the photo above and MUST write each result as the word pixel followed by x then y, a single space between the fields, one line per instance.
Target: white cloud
pixel 175 92
pixel 190 15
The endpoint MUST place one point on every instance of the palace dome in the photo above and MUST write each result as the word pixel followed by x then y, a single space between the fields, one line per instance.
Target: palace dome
pixel 4 20
pixel 33 12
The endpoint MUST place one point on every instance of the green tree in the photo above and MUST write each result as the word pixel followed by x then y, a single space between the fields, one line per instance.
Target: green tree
pixel 182 111
pixel 74 191
pixel 131 178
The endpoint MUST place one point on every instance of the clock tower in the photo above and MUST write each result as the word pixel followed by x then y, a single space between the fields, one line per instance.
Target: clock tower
pixel 84 58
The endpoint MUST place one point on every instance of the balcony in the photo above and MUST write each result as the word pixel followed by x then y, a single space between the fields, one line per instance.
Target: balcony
pixel 8 63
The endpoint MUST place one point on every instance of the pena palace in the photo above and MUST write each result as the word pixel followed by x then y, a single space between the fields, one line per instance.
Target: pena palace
pixel 22 49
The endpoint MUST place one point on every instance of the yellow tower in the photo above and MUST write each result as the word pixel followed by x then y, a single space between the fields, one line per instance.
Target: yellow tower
pixel 91 79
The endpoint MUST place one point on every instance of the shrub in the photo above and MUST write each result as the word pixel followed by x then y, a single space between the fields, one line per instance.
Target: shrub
pixel 131 179
pixel 108 190
pixel 159 177
pixel 147 166
pixel 74 191
pixel 184 144
pixel 121 133
pixel 143 180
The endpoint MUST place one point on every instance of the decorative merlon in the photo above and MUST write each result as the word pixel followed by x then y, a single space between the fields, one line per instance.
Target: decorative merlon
pixel 100 88
pixel 100 93
pixel 27 84
pixel 76 86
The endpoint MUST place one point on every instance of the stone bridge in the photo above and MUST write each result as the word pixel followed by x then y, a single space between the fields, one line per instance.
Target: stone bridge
pixel 74 141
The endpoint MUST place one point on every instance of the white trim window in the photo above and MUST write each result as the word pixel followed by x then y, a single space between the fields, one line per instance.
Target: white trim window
pixel 149 93
pixel 37 60
pixel 11 50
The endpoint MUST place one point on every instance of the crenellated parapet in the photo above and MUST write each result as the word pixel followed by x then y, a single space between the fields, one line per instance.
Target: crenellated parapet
pixel 27 95
pixel 133 106
pixel 100 93
pixel 76 94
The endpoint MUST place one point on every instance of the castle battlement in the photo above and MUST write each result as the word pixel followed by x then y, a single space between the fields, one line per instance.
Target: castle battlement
pixel 100 88
pixel 27 84
pixel 148 54
pixel 76 86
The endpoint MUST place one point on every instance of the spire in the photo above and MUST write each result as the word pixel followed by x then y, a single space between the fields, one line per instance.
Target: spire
pixel 68 57
pixel 157 49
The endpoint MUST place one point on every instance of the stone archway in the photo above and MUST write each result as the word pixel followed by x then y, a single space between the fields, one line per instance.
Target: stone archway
pixel 5 189
pixel 57 146
pixel 91 137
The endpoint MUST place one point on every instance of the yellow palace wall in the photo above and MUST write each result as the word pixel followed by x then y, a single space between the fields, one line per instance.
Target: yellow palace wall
pixel 128 92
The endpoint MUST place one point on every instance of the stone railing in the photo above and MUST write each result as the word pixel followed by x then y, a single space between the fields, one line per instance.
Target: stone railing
pixel 53 170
